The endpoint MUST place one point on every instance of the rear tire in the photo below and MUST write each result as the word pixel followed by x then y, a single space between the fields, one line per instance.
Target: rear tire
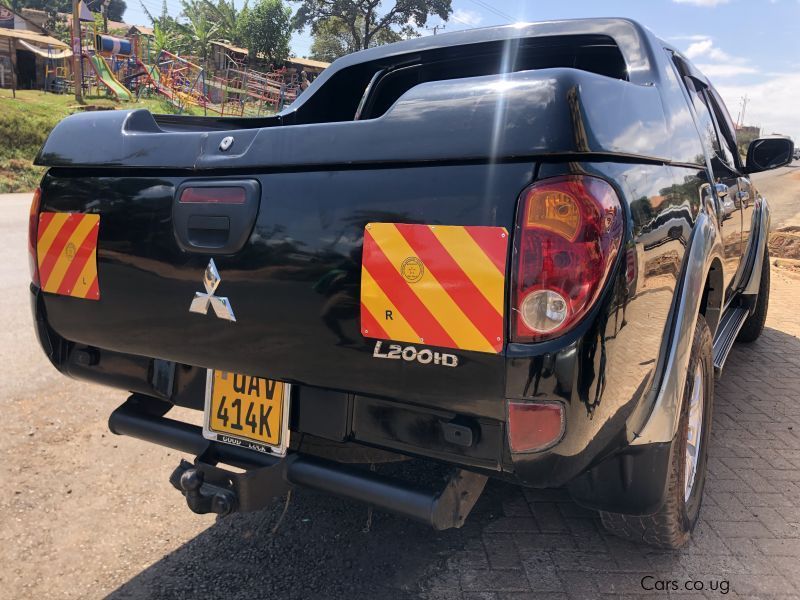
pixel 672 525
pixel 754 325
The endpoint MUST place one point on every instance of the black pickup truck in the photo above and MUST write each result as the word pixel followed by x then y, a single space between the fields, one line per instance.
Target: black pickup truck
pixel 524 252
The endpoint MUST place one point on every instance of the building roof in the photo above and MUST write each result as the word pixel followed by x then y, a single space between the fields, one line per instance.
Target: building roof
pixel 28 15
pixel 307 62
pixel 140 29
pixel 30 36
pixel 231 47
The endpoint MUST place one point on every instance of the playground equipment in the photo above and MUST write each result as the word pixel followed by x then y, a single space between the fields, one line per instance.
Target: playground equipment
pixel 112 45
pixel 240 91
pixel 106 77
pixel 179 80
pixel 56 72
pixel 128 67
pixel 96 50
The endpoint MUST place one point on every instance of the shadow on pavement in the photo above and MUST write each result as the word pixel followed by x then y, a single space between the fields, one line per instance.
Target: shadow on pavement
pixel 530 541
pixel 322 549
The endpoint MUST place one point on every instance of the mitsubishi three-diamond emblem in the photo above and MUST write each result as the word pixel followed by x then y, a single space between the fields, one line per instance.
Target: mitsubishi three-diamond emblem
pixel 222 307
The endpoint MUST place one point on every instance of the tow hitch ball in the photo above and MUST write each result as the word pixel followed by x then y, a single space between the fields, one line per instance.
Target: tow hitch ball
pixel 201 496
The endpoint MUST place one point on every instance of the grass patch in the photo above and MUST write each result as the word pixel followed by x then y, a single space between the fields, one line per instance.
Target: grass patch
pixel 26 121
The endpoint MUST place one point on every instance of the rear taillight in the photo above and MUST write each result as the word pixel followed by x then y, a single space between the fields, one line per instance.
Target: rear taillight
pixel 213 195
pixel 570 230
pixel 33 235
pixel 534 426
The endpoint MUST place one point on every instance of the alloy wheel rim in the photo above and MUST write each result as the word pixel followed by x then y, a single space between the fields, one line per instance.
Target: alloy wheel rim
pixel 693 436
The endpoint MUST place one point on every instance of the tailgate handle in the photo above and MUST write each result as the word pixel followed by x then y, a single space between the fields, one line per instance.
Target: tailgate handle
pixel 209 232
pixel 215 216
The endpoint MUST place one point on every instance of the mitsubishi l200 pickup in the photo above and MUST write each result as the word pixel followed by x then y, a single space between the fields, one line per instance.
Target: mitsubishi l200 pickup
pixel 523 252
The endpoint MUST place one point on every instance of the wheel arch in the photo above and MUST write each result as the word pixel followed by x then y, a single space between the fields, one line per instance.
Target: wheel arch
pixel 700 292
pixel 713 296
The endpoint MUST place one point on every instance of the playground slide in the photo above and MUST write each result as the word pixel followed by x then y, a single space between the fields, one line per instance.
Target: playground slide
pixel 106 77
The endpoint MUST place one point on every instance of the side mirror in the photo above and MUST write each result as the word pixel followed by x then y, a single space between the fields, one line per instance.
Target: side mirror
pixel 769 153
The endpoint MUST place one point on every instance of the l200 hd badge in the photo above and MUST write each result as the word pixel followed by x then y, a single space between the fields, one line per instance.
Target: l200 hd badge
pixel 220 304
pixel 424 356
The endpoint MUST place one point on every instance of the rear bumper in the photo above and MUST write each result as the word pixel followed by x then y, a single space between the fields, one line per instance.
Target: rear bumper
pixel 624 482
pixel 267 477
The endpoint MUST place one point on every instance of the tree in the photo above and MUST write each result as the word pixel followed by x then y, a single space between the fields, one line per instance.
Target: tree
pixel 63 6
pixel 165 29
pixel 228 19
pixel 266 31
pixel 363 19
pixel 198 31
pixel 334 39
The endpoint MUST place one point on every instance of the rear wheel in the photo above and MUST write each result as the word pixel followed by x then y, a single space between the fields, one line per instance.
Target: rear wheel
pixel 754 325
pixel 672 525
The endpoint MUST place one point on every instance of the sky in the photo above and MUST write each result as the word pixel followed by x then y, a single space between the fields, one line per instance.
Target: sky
pixel 745 47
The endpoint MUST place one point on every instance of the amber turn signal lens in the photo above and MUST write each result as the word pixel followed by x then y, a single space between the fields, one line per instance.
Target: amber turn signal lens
pixel 534 426
pixel 554 211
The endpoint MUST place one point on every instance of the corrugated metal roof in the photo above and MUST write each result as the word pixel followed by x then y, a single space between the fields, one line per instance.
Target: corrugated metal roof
pixel 307 62
pixel 30 36
pixel 230 47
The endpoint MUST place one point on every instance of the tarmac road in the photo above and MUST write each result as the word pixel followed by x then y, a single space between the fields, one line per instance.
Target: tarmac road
pixel 780 188
pixel 87 514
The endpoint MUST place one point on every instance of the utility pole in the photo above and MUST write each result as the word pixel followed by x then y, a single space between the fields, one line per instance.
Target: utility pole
pixel 76 51
pixel 435 28
pixel 745 100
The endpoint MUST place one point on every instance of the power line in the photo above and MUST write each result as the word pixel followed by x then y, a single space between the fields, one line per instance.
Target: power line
pixel 462 21
pixel 496 11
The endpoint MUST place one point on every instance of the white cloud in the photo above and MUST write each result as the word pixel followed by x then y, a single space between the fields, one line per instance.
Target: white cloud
pixel 715 62
pixel 705 48
pixel 771 104
pixel 702 2
pixel 470 18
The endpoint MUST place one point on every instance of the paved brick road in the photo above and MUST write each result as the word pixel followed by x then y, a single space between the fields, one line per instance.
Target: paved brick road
pixel 543 545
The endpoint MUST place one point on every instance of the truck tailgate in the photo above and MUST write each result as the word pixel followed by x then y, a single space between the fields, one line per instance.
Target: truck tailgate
pixel 294 286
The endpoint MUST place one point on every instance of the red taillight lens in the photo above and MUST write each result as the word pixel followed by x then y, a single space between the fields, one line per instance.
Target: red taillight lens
pixel 534 426
pixel 33 235
pixel 569 233
pixel 213 195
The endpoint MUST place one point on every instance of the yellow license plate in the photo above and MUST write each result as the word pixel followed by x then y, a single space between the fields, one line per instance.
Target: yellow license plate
pixel 246 411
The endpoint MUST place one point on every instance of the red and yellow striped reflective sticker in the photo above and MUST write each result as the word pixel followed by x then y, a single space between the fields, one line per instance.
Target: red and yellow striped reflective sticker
pixel 434 284
pixel 66 250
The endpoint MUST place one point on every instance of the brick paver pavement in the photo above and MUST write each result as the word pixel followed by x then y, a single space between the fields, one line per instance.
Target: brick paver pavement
pixel 542 545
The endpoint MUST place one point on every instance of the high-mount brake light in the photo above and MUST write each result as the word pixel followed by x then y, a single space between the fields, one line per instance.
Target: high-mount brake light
pixel 569 234
pixel 213 195
pixel 33 236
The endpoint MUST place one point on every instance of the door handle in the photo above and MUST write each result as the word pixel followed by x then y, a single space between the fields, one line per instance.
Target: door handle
pixel 743 194
pixel 208 231
pixel 215 216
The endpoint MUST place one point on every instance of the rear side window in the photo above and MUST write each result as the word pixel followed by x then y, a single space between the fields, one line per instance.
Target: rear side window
pixel 705 122
pixel 725 124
